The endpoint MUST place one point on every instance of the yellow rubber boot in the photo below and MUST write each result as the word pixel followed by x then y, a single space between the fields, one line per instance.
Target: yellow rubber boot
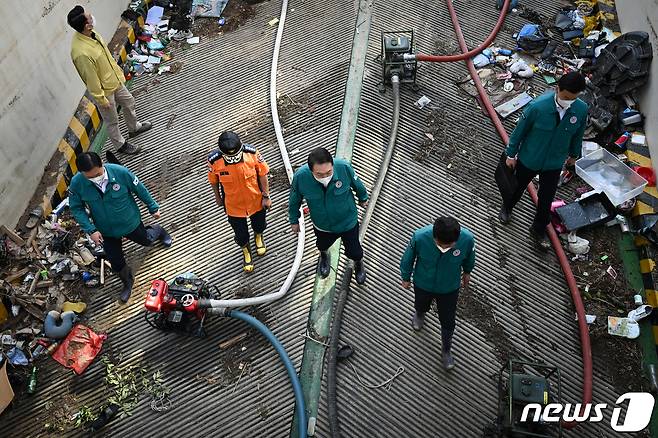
pixel 260 245
pixel 247 263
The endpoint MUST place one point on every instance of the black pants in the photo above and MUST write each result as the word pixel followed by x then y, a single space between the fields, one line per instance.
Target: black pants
pixel 447 306
pixel 350 238
pixel 241 230
pixel 548 181
pixel 141 235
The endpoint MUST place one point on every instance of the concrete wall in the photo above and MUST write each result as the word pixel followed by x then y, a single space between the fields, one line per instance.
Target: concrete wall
pixel 39 89
pixel 643 15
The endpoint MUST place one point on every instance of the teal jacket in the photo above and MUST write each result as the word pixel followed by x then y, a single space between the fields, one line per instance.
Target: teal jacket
pixel 541 141
pixel 115 212
pixel 333 208
pixel 432 270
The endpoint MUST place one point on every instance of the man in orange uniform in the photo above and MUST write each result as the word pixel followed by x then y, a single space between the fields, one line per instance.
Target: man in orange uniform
pixel 238 177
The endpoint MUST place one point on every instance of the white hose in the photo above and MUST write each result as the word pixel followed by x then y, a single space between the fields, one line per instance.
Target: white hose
pixel 286 161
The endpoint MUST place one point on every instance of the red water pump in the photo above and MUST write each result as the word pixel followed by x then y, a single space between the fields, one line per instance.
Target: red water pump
pixel 176 305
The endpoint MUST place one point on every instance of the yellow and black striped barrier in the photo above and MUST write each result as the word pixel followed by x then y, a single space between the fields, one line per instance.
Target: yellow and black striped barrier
pixel 85 124
pixel 645 210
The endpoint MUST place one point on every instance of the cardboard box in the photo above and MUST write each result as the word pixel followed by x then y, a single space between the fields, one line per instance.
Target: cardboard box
pixel 6 392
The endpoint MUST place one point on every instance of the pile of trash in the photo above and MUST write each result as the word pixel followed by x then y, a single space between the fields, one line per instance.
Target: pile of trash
pixel 45 275
pixel 582 38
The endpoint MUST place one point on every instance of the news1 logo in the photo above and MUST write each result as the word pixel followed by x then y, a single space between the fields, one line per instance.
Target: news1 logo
pixel 638 412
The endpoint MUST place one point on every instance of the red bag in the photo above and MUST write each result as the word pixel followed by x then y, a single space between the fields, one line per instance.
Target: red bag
pixel 79 349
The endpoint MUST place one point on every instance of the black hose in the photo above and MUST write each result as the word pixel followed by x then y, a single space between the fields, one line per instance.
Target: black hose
pixel 343 293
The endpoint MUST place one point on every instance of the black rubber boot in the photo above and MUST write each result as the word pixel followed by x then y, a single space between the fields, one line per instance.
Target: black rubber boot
pixel 359 272
pixel 127 278
pixel 323 264
pixel 504 215
pixel 157 232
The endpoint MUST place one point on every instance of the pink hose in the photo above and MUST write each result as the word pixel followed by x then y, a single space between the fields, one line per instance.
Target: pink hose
pixel 585 345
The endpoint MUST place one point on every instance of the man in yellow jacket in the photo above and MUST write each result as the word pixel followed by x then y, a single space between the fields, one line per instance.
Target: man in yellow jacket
pixel 104 79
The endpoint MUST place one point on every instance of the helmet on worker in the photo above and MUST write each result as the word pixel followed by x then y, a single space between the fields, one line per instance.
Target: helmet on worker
pixel 231 146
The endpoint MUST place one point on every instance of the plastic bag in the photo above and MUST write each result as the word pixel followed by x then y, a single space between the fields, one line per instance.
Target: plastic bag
pixel 530 39
pixel 79 349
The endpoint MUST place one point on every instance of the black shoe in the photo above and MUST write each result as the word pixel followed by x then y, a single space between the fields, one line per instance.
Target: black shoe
pixel 323 264
pixel 165 238
pixel 145 127
pixel 127 278
pixel 540 240
pixel 504 215
pixel 359 272
pixel 129 149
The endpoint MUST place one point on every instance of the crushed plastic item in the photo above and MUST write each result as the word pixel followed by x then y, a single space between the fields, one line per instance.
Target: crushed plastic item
pixel 155 44
pixel 424 100
pixel 481 60
pixel 17 357
pixel 221 21
pixel 550 80
pixel 611 272
pixel 637 299
pixel 577 245
pixel 604 258
pixel 273 22
pixel 589 319
pixel 79 349
pixel 164 69
pixel 623 327
pixel 154 15
pixel 193 40
pixel 638 139
pixel 77 307
pixel 588 147
pixel 509 86
pixel 7 340
pixel 640 313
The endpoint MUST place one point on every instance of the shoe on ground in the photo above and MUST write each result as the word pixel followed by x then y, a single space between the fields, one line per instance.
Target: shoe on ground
pixel 504 215
pixel 323 264
pixel 144 126
pixel 127 279
pixel 541 241
pixel 448 360
pixel 166 239
pixel 129 149
pixel 182 35
pixel 417 321
pixel 247 262
pixel 359 272
pixel 261 249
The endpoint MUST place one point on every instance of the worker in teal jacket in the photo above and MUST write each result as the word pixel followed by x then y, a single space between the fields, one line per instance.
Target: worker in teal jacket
pixel 549 135
pixel 439 259
pixel 328 186
pixel 108 193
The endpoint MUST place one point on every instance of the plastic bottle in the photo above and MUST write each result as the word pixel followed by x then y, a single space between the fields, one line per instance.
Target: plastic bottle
pixel 32 381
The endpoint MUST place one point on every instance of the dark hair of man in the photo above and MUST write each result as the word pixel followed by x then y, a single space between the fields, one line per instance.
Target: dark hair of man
pixel 319 156
pixel 446 229
pixel 572 82
pixel 87 161
pixel 76 18
pixel 229 141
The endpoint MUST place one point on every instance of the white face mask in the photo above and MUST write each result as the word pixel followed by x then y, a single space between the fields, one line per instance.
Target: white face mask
pixel 98 179
pixel 565 104
pixel 324 181
pixel 443 250
pixel 93 21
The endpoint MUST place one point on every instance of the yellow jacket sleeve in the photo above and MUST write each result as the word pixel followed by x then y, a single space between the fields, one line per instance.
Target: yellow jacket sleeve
pixel 87 71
